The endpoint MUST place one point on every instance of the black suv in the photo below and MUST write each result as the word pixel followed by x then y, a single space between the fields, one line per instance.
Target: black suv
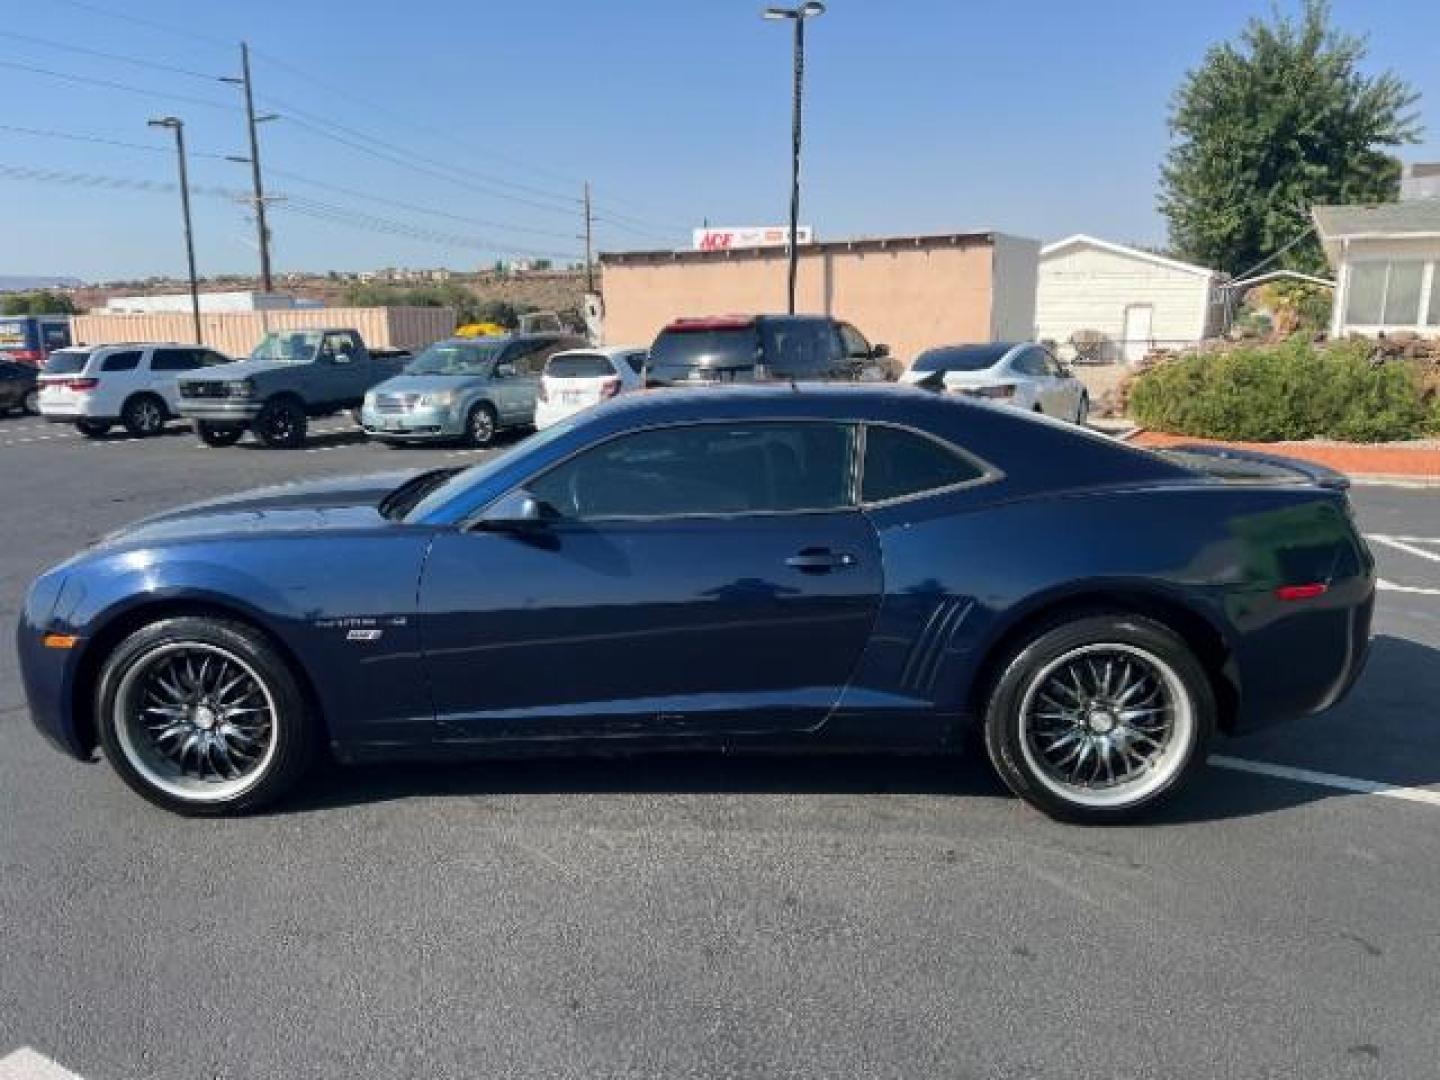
pixel 747 348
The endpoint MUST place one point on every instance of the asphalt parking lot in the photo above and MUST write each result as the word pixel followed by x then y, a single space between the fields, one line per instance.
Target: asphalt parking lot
pixel 716 917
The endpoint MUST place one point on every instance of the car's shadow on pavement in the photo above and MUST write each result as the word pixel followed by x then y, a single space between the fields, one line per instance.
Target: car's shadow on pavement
pixel 1384 731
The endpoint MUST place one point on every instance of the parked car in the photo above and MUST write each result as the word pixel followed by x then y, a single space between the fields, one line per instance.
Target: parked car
pixel 19 387
pixel 463 388
pixel 580 378
pixel 97 387
pixel 1025 375
pixel 746 348
pixel 769 568
pixel 32 338
pixel 289 378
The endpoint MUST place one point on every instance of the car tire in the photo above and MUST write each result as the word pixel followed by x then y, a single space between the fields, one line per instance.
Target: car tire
pixel 30 403
pixel 1079 699
pixel 1082 410
pixel 144 416
pixel 92 429
pixel 219 435
pixel 227 729
pixel 281 424
pixel 481 424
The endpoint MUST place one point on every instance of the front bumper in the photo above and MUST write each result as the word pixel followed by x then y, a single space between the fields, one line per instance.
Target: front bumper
pixel 219 410
pixel 48 675
pixel 412 425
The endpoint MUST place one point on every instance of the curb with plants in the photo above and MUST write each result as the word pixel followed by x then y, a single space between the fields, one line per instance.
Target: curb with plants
pixel 1289 392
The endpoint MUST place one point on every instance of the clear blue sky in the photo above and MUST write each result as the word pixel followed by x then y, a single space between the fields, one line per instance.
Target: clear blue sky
pixel 1037 117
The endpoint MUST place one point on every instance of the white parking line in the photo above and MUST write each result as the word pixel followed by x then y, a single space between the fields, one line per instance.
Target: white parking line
pixel 1413 590
pixel 1324 779
pixel 26 1064
pixel 1407 545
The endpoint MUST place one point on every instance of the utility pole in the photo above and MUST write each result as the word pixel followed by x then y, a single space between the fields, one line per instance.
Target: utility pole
pixel 798 16
pixel 589 234
pixel 252 121
pixel 175 124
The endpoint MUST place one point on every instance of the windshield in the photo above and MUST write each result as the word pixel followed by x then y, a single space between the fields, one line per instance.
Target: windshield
pixel 478 474
pixel 739 347
pixel 973 358
pixel 66 362
pixel 455 358
pixel 288 346
pixel 578 366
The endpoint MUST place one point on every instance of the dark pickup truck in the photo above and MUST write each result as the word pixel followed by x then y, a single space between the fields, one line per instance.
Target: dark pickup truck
pixel 291 376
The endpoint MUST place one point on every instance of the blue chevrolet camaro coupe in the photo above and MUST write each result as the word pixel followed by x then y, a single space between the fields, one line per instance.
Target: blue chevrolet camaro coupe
pixel 833 568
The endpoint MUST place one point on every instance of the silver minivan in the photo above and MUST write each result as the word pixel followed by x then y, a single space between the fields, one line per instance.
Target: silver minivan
pixel 463 388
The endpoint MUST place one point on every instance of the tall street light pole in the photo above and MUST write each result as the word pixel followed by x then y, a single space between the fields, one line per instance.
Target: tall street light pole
pixel 796 15
pixel 175 124
pixel 251 122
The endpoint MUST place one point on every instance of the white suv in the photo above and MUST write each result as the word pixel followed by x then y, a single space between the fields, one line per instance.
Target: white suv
pixel 94 387
pixel 579 378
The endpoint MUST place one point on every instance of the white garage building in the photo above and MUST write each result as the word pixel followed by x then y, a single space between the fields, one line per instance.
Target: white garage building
pixel 1135 300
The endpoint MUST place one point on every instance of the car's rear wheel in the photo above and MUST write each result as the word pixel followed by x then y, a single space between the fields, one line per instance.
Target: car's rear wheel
pixel 201 716
pixel 481 423
pixel 143 415
pixel 92 429
pixel 218 434
pixel 281 424
pixel 1098 718
pixel 30 403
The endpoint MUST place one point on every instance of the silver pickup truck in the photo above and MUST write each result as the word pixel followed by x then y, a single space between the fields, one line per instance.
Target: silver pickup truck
pixel 291 376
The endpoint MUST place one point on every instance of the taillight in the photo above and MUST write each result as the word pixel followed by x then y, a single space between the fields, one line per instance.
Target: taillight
pixel 1301 592
pixel 998 392
pixel 609 388
pixel 543 394
pixel 29 356
pixel 82 385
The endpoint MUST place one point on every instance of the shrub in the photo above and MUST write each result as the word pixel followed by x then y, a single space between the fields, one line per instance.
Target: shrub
pixel 1289 391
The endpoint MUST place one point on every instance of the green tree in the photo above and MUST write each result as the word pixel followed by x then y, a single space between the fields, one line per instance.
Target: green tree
pixel 1271 124
pixel 38 302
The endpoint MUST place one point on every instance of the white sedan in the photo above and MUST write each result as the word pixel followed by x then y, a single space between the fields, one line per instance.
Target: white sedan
pixel 579 378
pixel 1025 375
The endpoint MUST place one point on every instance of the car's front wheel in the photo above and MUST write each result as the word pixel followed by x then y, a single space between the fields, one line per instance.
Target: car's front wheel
pixel 201 716
pixel 1097 718
pixel 481 424
pixel 281 424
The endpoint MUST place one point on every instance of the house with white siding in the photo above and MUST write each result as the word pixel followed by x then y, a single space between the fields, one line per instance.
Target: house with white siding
pixel 1131 300
pixel 1387 264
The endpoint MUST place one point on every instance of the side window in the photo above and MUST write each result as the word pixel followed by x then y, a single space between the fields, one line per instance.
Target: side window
pixel 856 347
pixel 1050 364
pixel 121 361
pixel 1030 363
pixel 210 359
pixel 174 360
pixel 342 348
pixel 900 463
pixel 636 360
pixel 706 469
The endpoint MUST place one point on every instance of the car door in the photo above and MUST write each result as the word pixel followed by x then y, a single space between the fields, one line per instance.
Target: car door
pixel 705 580
pixel 1066 388
pixel 347 377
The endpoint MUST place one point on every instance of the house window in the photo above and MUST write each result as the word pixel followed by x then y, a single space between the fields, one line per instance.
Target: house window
pixel 1386 293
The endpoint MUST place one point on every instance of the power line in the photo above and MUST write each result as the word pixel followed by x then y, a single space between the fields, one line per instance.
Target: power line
pixel 108 85
pixel 84 51
pixel 96 9
pixel 70 136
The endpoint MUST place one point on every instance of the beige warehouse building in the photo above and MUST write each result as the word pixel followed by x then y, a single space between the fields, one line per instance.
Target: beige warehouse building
pixel 910 292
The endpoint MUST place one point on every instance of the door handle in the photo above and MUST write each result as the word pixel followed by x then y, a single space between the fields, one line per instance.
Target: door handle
pixel 816 560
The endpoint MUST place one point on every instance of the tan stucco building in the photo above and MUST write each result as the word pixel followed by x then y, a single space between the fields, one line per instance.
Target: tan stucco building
pixel 910 292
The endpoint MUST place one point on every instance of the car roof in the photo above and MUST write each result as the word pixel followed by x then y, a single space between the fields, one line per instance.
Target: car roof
pixel 994 351
pixel 601 350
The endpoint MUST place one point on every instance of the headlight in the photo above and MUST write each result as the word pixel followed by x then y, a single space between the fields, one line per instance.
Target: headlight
pixel 437 400
pixel 240 388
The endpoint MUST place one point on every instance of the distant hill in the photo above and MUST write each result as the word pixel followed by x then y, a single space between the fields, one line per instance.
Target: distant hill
pixel 22 283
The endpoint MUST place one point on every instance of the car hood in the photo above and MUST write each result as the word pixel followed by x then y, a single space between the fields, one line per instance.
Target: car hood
pixel 318 505
pixel 239 369
pixel 428 384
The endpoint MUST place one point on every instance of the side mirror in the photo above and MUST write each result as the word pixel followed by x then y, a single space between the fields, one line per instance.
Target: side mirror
pixel 505 370
pixel 516 511
pixel 880 352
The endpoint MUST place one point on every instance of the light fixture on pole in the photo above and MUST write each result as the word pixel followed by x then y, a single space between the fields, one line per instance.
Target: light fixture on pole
pixel 175 124
pixel 798 16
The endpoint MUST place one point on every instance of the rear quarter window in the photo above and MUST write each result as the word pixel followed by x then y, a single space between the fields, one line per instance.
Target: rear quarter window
pixel 902 463
pixel 66 363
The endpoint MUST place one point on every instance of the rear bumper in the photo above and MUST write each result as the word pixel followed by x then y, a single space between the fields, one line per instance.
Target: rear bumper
pixel 67 412
pixel 552 412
